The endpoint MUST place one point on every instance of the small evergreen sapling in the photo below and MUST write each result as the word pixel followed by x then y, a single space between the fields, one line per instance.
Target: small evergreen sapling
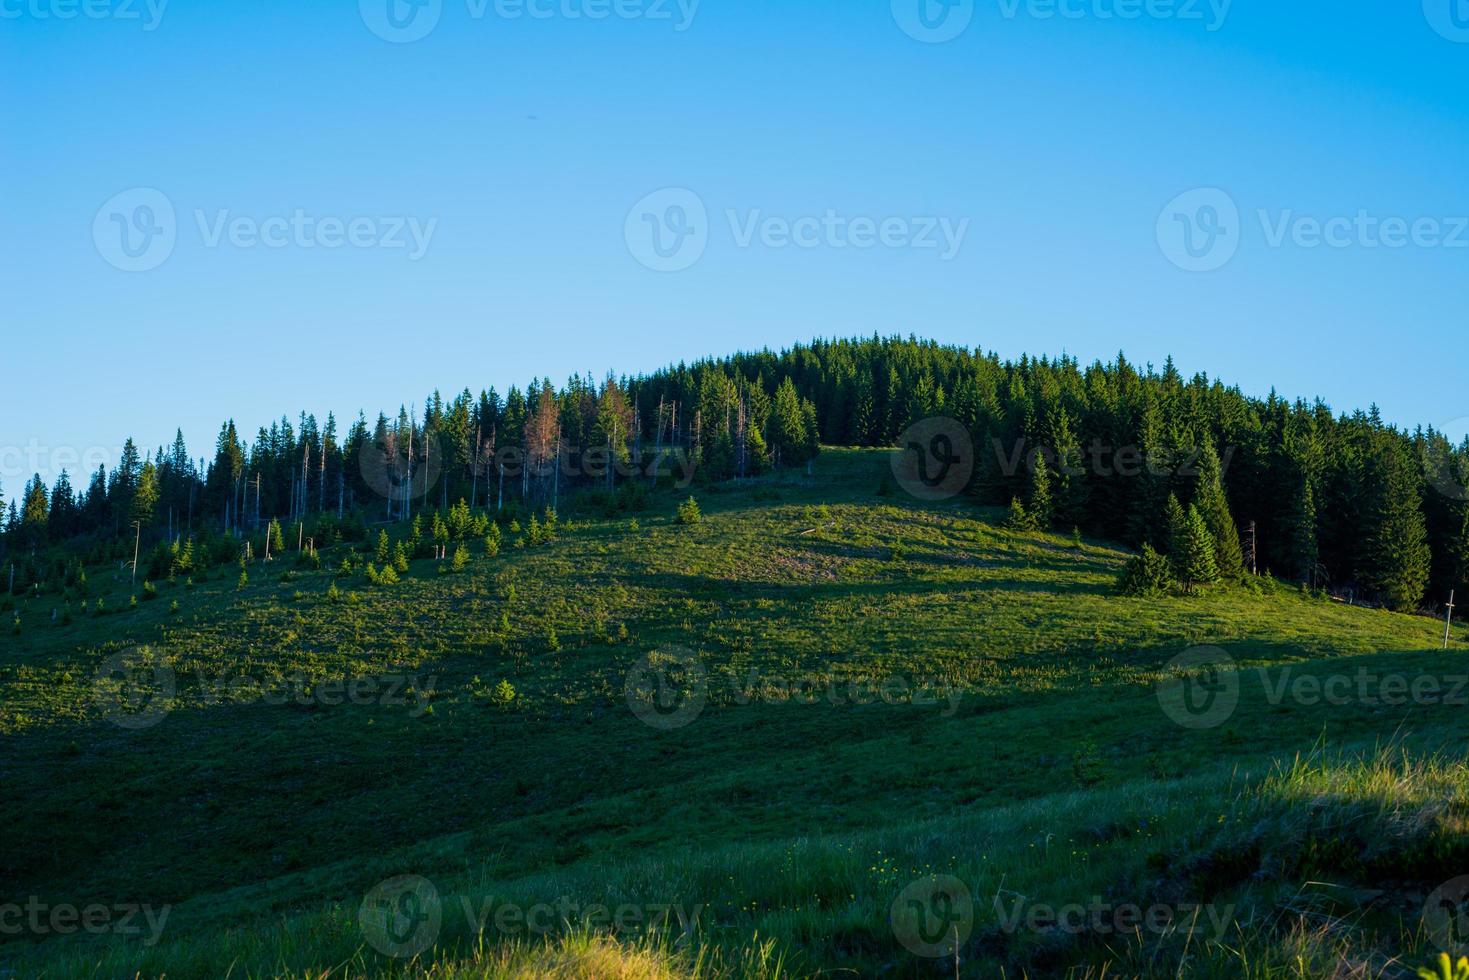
pixel 689 513
pixel 1148 576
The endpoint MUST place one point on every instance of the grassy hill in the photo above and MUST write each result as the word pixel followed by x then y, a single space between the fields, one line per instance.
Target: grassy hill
pixel 872 709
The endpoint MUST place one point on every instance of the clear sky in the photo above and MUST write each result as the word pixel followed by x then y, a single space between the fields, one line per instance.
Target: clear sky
pixel 210 208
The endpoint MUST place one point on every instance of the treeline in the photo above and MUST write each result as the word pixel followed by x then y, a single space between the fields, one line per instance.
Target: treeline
pixel 1340 501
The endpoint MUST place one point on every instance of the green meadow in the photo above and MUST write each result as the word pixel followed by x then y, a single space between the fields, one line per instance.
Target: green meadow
pixel 825 730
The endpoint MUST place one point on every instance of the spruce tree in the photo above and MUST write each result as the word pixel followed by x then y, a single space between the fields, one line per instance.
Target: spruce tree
pixel 1148 576
pixel 1213 506
pixel 1175 528
pixel 1397 553
pixel 1018 519
pixel 145 499
pixel 1071 488
pixel 1195 564
pixel 1040 507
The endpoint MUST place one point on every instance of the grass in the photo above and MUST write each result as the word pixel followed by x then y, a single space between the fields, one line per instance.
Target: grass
pixel 892 691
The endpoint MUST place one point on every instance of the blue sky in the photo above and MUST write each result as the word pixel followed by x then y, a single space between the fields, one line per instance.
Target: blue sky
pixel 1075 151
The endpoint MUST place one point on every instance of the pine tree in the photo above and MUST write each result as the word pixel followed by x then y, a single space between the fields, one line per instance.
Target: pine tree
pixel 757 455
pixel 1397 552
pixel 37 508
pixel 1071 489
pixel 145 499
pixel 1018 519
pixel 1213 507
pixel 383 551
pixel 787 425
pixel 1148 576
pixel 1175 528
pixel 689 513
pixel 1195 565
pixel 1039 505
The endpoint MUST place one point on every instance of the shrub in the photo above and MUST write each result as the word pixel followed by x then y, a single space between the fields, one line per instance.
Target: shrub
pixel 461 558
pixel 503 695
pixel 173 608
pixel 243 581
pixel 492 541
pixel 150 591
pixel 689 513
pixel 1147 576
pixel 387 576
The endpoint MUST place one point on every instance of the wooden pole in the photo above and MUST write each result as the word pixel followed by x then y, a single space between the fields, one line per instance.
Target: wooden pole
pixel 1448 620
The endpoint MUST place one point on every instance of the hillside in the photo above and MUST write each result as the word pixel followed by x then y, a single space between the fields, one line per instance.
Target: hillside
pixel 969 701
